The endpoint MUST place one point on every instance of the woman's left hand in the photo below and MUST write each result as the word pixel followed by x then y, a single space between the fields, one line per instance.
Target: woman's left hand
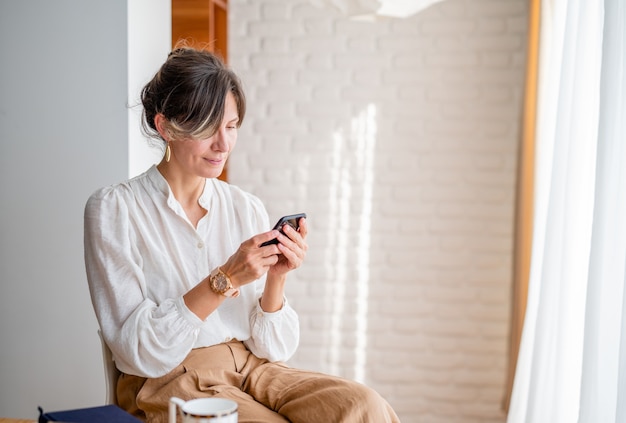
pixel 292 247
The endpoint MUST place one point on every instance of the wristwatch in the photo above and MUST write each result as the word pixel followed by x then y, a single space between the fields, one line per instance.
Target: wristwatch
pixel 220 284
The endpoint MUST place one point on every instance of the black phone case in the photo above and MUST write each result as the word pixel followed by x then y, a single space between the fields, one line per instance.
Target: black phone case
pixel 292 220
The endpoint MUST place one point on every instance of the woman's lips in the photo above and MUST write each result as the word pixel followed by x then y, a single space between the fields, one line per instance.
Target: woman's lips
pixel 215 161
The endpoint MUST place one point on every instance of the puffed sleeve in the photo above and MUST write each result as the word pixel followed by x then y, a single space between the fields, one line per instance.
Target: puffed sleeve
pixel 276 335
pixel 146 339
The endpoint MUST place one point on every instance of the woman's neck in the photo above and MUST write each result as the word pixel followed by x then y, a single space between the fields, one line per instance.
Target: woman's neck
pixel 186 188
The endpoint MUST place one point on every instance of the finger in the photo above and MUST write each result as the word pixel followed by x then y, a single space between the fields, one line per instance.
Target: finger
pixel 271 260
pixel 293 261
pixel 294 252
pixel 290 233
pixel 294 239
pixel 303 227
pixel 265 239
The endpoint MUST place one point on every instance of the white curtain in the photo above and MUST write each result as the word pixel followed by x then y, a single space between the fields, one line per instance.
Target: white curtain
pixel 603 393
pixel 572 359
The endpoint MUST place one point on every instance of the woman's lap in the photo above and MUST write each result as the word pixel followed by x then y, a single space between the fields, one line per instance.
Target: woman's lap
pixel 304 396
pixel 264 391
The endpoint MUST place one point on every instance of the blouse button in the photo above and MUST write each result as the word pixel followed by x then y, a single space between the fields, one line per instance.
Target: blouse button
pixel 200 244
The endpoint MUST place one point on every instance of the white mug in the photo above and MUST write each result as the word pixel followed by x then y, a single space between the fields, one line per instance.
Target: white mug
pixel 204 410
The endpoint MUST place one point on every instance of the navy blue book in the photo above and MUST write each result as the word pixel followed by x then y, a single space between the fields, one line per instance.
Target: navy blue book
pixel 102 414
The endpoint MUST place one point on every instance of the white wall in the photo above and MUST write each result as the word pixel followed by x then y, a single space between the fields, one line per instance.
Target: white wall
pixel 399 139
pixel 64 79
pixel 149 42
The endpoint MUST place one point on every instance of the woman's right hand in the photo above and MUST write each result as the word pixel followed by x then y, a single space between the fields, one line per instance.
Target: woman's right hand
pixel 251 261
pixel 247 264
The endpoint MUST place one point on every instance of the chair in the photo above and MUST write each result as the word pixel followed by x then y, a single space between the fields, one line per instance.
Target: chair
pixel 111 373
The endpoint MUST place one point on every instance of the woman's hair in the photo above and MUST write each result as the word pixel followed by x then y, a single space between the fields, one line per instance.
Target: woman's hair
pixel 190 90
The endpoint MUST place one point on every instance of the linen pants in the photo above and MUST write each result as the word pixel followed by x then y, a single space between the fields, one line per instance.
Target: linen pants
pixel 264 391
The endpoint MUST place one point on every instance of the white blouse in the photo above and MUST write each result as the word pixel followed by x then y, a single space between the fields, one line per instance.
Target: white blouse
pixel 142 254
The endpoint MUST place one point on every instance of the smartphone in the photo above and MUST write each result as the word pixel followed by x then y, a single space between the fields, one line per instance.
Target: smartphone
pixel 292 220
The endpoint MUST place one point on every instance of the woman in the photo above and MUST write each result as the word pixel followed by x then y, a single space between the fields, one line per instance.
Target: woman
pixel 188 299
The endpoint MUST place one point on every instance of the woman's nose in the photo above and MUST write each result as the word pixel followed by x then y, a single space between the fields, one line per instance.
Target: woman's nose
pixel 221 141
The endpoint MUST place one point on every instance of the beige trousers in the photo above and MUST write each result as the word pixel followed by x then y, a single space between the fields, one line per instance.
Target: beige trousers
pixel 264 391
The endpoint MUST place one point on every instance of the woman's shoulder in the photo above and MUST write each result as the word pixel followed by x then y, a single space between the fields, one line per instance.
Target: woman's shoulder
pixel 119 192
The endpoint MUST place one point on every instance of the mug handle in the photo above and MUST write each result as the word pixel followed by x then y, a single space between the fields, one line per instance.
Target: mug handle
pixel 174 401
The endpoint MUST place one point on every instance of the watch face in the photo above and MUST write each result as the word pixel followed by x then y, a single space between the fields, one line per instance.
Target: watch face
pixel 221 283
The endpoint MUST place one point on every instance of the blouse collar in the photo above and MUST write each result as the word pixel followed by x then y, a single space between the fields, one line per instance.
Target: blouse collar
pixel 160 183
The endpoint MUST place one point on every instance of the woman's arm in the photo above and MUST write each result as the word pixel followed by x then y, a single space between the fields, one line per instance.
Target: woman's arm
pixel 147 338
pixel 292 249
pixel 275 325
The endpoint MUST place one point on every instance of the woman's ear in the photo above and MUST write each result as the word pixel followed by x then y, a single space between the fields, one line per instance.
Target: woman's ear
pixel 160 122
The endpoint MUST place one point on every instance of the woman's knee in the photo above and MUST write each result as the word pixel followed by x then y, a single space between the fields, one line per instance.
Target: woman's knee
pixel 367 404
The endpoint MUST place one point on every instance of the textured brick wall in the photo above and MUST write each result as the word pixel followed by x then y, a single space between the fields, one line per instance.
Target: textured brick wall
pixel 398 138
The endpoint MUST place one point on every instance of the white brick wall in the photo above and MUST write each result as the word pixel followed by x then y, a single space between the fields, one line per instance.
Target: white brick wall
pixel 399 139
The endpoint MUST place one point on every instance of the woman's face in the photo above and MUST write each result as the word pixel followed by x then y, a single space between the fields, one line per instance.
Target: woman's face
pixel 207 157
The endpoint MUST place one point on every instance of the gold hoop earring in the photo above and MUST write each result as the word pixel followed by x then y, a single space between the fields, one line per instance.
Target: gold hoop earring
pixel 168 152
